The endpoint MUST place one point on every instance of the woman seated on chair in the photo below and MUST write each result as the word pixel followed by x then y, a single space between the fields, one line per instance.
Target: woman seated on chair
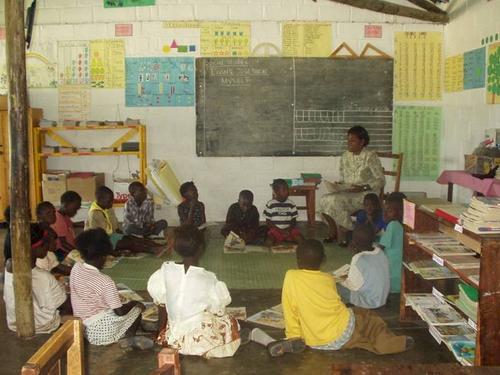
pixel 360 173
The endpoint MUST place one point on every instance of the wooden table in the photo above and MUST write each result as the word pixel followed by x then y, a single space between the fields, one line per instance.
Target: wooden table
pixel 308 191
pixel 489 187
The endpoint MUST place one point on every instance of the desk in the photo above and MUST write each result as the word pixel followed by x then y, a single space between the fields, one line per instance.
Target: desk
pixel 489 187
pixel 308 191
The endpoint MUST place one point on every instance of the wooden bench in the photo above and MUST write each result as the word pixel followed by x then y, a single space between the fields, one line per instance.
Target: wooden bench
pixel 67 340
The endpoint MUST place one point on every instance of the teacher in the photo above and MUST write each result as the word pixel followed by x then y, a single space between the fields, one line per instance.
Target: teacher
pixel 360 173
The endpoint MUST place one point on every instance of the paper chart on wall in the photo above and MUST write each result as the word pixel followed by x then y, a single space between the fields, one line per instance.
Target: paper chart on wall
pixel 417 65
pixel 159 81
pixel 181 41
pixel 107 63
pixel 417 134
pixel 40 71
pixel 127 3
pixel 3 69
pixel 74 103
pixel 73 62
pixel 474 68
pixel 454 73
pixel 493 81
pixel 228 39
pixel 307 39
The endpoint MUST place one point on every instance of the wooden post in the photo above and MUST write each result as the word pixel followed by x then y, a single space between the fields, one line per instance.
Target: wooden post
pixel 19 160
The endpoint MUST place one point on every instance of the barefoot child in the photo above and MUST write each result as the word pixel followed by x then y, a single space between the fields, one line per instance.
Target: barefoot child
pixel 392 239
pixel 101 215
pixel 49 296
pixel 281 216
pixel 243 218
pixel 314 312
pixel 70 204
pixel 139 218
pixel 191 211
pixel 367 284
pixel 371 213
pixel 95 298
pixel 192 303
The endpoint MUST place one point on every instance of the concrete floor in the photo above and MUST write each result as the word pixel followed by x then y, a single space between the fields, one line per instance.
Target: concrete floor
pixel 250 359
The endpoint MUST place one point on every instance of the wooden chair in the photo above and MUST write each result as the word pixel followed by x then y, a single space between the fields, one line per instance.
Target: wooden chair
pixel 396 173
pixel 168 362
pixel 67 340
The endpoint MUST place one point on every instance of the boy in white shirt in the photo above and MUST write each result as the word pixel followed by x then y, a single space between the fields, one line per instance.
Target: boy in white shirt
pixel 49 296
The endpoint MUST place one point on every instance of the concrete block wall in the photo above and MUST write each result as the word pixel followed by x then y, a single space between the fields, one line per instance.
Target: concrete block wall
pixel 171 131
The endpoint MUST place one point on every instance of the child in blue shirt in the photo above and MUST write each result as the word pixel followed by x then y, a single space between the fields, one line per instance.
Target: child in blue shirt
pixel 371 213
pixel 367 284
pixel 392 239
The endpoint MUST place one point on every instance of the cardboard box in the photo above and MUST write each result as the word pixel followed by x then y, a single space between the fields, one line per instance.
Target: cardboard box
pixel 85 184
pixel 54 184
pixel 4 103
pixel 120 188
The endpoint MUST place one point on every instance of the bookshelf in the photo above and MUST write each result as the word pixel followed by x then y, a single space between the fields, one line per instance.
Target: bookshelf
pixel 488 246
pixel 56 134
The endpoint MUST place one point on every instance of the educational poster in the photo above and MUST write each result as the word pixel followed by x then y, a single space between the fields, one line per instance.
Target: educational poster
pixel 3 69
pixel 417 65
pixel 474 68
pixel 127 3
pixel 307 39
pixel 181 41
pixel 74 103
pixel 40 71
pixel 73 62
pixel 159 82
pixel 225 39
pixel 493 82
pixel 417 134
pixel 454 73
pixel 107 64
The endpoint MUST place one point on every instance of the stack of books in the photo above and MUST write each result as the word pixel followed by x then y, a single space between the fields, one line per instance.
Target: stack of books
pixel 482 216
pixel 430 270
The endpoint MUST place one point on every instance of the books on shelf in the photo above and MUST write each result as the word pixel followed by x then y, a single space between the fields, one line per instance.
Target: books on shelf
pixel 437 273
pixel 463 348
pixel 482 216
pixel 451 212
pixel 441 315
pixel 450 250
pixel 462 261
pixel 456 330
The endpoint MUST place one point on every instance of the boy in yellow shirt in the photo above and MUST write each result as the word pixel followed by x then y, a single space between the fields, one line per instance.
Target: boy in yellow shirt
pixel 314 311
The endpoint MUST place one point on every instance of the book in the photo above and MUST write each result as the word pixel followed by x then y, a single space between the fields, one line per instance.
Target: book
pixel 450 250
pixel 239 313
pixel 337 187
pixel 417 300
pixel 457 330
pixel 284 249
pixel 111 261
pixel 463 348
pixel 341 272
pixel 127 294
pixel 269 317
pixel 150 314
pixel 441 315
pixel 233 243
pixel 462 261
pixel 450 213
pixel 438 273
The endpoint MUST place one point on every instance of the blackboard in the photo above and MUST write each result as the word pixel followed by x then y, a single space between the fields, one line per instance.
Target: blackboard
pixel 279 106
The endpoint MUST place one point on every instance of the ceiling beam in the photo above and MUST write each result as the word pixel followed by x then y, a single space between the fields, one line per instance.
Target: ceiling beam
pixel 385 7
pixel 427 5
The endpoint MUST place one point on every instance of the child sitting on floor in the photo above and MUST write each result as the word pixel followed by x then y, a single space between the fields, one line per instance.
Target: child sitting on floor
pixel 191 211
pixel 71 202
pixel 243 219
pixel 49 296
pixel 194 303
pixel 371 213
pixel 101 215
pixel 139 217
pixel 314 312
pixel 95 298
pixel 367 284
pixel 46 215
pixel 281 216
pixel 392 239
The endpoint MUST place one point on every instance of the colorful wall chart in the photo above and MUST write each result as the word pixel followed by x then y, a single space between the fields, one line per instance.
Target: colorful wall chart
pixel 73 62
pixel 454 73
pixel 474 68
pixel 417 65
pixel 127 3
pixel 417 134
pixel 493 81
pixel 74 103
pixel 229 39
pixel 159 82
pixel 107 63
pixel 307 39
pixel 40 72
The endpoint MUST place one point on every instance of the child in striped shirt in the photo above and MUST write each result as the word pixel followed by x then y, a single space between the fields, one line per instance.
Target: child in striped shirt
pixel 281 216
pixel 95 298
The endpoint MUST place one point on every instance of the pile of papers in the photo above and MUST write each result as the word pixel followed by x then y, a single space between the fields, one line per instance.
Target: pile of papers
pixel 445 325
pixel 482 216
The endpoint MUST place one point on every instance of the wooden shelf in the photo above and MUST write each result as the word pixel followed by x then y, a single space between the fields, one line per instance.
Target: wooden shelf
pixel 488 246
pixel 99 153
pixel 88 127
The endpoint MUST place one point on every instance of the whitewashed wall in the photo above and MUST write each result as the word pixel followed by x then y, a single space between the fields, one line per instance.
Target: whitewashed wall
pixel 466 114
pixel 171 131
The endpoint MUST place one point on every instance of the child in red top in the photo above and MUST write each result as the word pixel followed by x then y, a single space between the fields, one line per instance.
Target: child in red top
pixel 70 204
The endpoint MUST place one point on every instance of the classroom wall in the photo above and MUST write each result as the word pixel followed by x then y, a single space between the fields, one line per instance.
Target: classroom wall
pixel 171 131
pixel 466 114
